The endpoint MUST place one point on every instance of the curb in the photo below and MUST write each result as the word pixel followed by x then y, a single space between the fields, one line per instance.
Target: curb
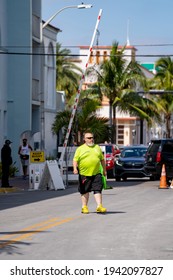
pixel 8 190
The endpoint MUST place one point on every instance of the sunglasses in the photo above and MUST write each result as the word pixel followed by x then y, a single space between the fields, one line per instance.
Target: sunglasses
pixel 89 137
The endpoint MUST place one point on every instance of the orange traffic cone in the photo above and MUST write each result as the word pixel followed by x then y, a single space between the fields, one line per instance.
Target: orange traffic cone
pixel 163 183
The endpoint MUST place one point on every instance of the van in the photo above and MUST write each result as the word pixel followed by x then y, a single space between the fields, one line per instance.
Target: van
pixel 159 152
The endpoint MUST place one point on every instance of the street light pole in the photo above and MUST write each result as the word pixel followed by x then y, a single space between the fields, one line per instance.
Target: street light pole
pixel 43 25
pixel 82 6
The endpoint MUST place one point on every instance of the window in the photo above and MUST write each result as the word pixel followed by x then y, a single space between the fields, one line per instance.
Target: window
pixel 120 135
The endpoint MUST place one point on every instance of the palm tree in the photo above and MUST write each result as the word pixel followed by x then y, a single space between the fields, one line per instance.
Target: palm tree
pixel 86 118
pixel 164 80
pixel 67 73
pixel 141 106
pixel 165 73
pixel 116 76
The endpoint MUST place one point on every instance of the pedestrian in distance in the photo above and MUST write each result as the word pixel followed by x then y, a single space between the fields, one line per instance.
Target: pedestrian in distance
pixel 86 163
pixel 24 151
pixel 6 160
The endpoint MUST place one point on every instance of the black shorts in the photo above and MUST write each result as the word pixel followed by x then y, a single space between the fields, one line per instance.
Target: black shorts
pixel 90 183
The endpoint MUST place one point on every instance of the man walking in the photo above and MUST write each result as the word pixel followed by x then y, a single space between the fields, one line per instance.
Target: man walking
pixel 86 161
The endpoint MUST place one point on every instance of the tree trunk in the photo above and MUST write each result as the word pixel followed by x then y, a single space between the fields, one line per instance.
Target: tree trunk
pixel 110 118
pixel 168 126
pixel 141 131
pixel 114 130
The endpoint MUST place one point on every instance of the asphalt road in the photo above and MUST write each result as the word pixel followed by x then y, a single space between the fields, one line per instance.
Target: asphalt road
pixel 45 225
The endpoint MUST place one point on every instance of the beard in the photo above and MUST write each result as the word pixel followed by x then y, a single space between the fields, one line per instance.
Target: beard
pixel 90 144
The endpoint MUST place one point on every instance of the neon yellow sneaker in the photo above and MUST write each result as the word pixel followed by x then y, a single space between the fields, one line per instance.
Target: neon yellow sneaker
pixel 101 209
pixel 85 210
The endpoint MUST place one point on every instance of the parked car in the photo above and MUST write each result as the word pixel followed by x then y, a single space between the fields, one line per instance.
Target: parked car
pixel 131 163
pixel 159 152
pixel 117 149
pixel 110 157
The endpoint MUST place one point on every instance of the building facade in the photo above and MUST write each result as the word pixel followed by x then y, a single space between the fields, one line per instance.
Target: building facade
pixel 128 128
pixel 27 77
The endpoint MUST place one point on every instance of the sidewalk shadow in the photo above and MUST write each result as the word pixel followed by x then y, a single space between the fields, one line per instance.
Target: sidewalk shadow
pixel 22 197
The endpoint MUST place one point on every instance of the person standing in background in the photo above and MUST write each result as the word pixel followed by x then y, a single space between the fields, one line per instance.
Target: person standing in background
pixel 24 151
pixel 6 160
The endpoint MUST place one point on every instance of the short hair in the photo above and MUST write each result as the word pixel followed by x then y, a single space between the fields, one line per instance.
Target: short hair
pixel 87 131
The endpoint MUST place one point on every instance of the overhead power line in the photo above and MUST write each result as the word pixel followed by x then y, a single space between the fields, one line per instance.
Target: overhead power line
pixel 80 55
pixel 77 46
pixel 153 45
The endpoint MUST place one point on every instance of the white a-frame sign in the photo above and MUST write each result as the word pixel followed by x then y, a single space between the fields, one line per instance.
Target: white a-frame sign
pixel 51 177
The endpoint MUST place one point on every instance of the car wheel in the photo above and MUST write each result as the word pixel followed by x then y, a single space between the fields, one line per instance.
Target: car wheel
pixel 111 173
pixel 118 179
pixel 124 178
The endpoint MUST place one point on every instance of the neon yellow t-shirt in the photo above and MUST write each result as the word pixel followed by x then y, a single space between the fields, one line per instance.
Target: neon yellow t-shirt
pixel 88 159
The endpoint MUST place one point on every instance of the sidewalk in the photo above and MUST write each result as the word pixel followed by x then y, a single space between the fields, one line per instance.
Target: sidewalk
pixel 18 184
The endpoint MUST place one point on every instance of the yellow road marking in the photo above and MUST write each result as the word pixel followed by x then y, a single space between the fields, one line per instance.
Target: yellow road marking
pixel 30 234
pixel 29 228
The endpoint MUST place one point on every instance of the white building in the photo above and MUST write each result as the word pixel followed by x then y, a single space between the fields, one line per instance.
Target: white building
pixel 27 76
pixel 129 129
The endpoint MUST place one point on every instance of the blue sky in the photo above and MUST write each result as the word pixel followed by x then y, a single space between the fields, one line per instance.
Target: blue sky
pixel 149 22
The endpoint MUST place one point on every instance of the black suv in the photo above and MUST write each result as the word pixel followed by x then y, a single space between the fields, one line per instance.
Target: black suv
pixel 131 163
pixel 159 152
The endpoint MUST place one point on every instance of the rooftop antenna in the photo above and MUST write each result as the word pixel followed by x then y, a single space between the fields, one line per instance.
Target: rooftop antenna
pixel 128 41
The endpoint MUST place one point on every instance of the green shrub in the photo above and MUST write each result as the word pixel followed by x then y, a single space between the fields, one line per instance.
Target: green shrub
pixel 13 170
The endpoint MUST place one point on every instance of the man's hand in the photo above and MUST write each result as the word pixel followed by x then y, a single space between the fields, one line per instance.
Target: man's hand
pixel 75 171
pixel 104 173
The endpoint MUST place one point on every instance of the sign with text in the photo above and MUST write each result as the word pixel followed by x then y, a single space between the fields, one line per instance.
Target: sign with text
pixel 37 156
